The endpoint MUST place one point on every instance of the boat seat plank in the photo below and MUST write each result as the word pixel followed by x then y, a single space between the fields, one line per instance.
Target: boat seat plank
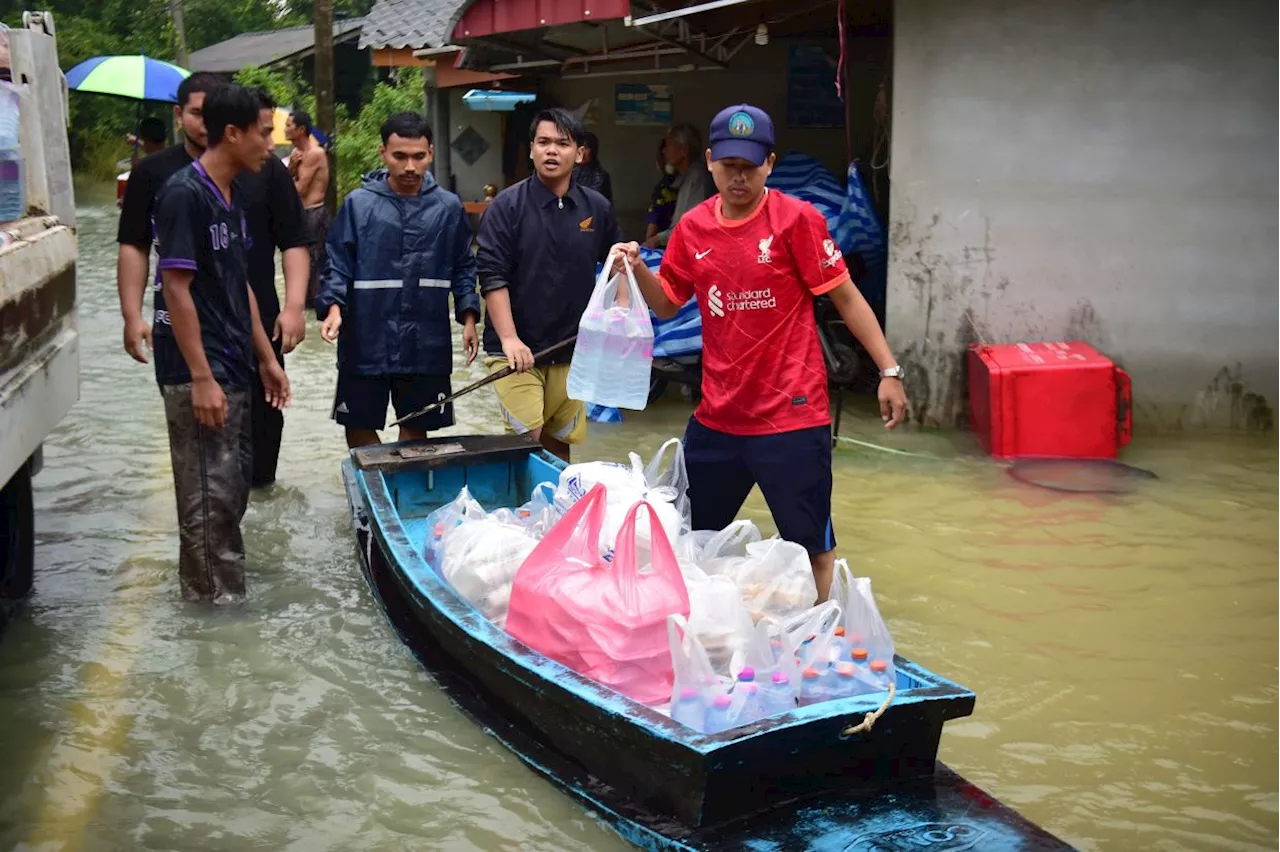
pixel 447 451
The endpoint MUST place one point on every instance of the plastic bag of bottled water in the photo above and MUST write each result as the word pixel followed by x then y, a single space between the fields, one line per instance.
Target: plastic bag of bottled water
pixel 614 351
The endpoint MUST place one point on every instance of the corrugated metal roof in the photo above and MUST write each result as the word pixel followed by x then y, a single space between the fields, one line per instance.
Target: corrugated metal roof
pixel 254 50
pixel 411 23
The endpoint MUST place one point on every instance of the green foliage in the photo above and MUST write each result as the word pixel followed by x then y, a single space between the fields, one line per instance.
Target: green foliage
pixel 289 90
pixel 356 147
pixel 99 153
pixel 98 124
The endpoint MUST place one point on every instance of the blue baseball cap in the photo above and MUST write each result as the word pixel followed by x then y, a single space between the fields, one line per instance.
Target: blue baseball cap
pixel 743 132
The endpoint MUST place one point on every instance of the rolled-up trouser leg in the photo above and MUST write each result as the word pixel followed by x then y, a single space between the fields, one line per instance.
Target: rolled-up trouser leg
pixel 210 477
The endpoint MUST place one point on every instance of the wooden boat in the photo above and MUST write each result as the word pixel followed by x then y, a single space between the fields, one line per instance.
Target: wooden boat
pixel 795 781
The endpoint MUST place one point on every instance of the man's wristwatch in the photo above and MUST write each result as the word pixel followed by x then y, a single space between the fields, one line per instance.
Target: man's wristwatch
pixel 894 372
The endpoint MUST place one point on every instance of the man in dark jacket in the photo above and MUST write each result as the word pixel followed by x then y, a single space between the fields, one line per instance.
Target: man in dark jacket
pixel 399 244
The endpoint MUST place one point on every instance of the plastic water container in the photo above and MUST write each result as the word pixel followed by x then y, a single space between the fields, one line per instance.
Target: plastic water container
pixel 718 715
pixel 610 367
pixel 839 648
pixel 846 681
pixel 818 684
pixel 775 695
pixel 879 675
pixel 13 188
pixel 688 709
pixel 862 671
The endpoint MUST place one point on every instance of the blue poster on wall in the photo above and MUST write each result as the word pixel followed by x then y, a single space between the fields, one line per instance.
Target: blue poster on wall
pixel 637 103
pixel 811 88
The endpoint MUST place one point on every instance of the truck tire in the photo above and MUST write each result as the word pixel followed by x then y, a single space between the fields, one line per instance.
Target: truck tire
pixel 17 536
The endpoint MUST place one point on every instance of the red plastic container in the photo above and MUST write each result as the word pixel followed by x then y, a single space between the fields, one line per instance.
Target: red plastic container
pixel 1048 400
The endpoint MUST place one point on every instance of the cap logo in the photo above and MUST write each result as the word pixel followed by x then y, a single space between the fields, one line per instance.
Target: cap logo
pixel 741 124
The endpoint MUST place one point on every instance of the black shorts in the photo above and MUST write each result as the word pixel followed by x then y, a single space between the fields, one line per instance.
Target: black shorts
pixel 793 470
pixel 361 401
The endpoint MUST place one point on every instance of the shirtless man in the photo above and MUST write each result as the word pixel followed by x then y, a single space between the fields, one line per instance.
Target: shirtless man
pixel 309 166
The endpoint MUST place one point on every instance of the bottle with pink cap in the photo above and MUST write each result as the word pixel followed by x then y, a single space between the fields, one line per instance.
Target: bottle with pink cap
pixel 776 695
pixel 688 709
pixel 718 716
pixel 746 697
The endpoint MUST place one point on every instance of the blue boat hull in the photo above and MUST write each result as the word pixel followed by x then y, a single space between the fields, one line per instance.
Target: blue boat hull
pixel 886 794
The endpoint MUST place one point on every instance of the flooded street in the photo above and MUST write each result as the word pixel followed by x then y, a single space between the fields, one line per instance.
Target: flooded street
pixel 1123 649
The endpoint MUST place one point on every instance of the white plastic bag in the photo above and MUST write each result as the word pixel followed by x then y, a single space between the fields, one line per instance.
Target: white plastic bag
pixel 624 486
pixel 613 355
pixel 696 683
pixel 444 520
pixel 717 617
pixel 539 514
pixel 480 558
pixel 776 579
pixel 864 628
pixel 724 551
pixel 788 645
pixel 674 476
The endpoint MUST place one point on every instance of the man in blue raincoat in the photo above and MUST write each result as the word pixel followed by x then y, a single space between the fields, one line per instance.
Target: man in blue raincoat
pixel 398 246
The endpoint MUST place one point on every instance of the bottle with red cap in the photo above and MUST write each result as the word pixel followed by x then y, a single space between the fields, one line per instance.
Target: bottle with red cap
pixel 818 683
pixel 846 682
pixel 872 675
pixel 838 649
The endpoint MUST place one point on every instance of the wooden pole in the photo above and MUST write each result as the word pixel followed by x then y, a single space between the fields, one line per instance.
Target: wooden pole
pixel 180 53
pixel 323 85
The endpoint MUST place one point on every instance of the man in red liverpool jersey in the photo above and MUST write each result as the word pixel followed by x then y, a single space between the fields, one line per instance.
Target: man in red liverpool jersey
pixel 756 258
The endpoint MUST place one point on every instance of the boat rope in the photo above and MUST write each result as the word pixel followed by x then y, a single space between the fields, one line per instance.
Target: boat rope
pixel 868 721
pixel 870 446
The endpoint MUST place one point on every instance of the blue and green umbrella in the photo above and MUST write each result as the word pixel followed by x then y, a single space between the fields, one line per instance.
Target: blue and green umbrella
pixel 138 78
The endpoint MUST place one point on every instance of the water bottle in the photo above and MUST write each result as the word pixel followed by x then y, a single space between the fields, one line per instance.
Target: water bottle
pixel 862 671
pixel 839 646
pixel 746 695
pixel 746 704
pixel 13 189
pixel 717 718
pixel 879 674
pixel 846 683
pixel 810 679
pixel 775 695
pixel 687 709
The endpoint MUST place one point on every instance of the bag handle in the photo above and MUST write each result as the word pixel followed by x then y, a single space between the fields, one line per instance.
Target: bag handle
pixel 567 540
pixel 663 556
pixel 655 466
pixel 665 493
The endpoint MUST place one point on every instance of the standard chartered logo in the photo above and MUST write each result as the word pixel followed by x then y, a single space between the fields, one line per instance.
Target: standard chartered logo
pixel 714 302
pixel 739 300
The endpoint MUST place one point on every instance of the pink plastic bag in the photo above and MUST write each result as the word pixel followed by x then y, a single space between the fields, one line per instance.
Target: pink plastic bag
pixel 607 621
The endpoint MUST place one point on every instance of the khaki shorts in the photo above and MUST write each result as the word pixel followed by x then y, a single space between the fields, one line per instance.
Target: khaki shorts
pixel 539 398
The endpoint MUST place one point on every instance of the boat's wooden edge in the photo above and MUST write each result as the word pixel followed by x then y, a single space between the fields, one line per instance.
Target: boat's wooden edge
pixel 444 451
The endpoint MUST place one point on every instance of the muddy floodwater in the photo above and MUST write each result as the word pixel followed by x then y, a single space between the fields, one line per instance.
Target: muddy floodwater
pixel 1123 649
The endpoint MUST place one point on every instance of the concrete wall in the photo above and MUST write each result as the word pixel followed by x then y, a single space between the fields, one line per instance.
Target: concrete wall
pixel 1089 169
pixel 757 75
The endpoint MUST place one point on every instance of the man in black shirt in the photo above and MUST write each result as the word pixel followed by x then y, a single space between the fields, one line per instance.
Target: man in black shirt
pixel 539 243
pixel 207 337
pixel 274 216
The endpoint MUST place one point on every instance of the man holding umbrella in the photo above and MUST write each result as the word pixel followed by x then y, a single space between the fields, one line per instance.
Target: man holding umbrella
pixel 274 217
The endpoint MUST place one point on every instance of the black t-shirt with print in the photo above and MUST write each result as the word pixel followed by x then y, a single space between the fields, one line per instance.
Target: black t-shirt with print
pixel 197 230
